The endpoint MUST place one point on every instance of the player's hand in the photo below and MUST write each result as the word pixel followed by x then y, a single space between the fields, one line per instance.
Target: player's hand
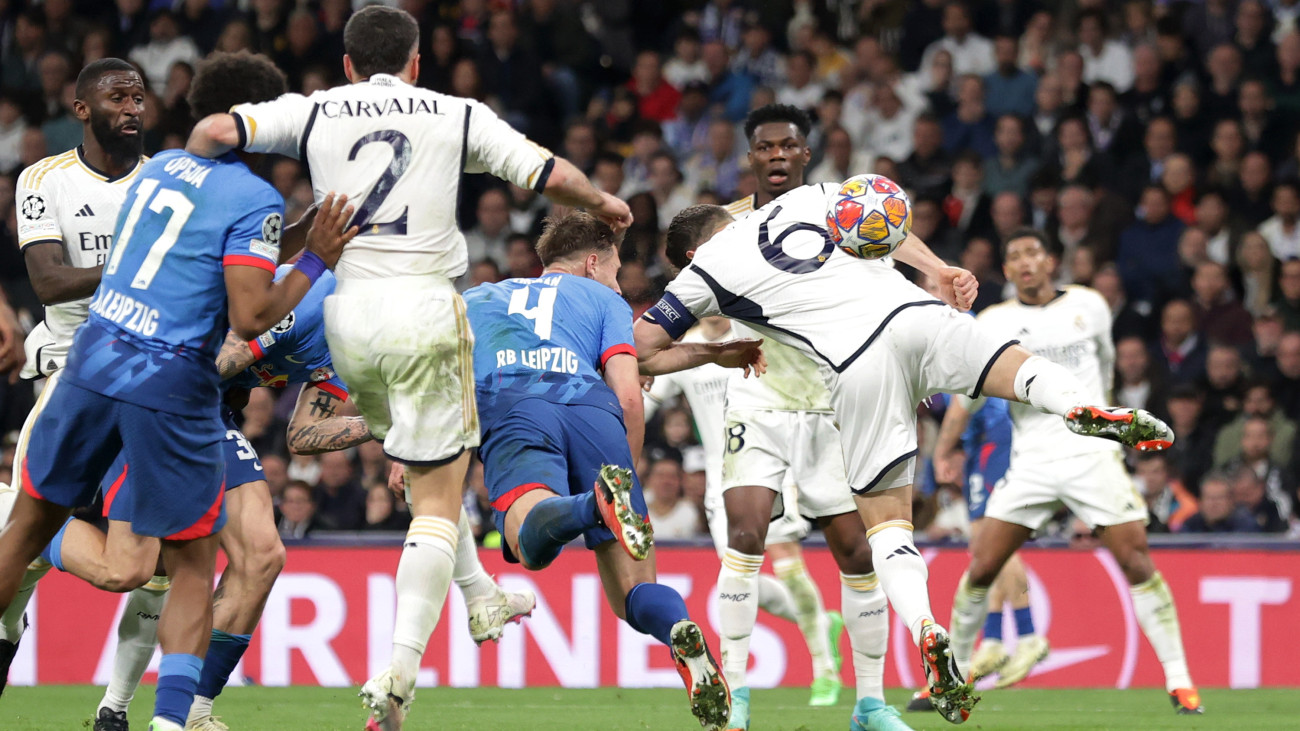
pixel 958 287
pixel 948 467
pixel 743 353
pixel 294 237
pixel 647 383
pixel 12 355
pixel 329 230
pixel 397 480
pixel 614 212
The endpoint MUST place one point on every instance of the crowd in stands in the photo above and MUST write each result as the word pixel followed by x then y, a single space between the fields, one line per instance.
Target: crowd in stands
pixel 1155 142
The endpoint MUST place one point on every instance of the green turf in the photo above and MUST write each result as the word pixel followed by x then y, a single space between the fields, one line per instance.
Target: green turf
pixel 326 709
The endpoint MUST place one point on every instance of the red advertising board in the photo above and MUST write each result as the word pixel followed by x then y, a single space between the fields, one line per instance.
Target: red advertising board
pixel 330 618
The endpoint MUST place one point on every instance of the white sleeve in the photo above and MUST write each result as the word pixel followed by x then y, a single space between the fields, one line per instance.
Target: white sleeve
pixel 665 388
pixel 1105 343
pixel 38 218
pixel 276 126
pixel 687 299
pixel 493 146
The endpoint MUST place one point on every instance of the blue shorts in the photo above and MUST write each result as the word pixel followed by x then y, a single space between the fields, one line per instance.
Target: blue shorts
pixel 561 448
pixel 242 467
pixel 177 469
pixel 983 471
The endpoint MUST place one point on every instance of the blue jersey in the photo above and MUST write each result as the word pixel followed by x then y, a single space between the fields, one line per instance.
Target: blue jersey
pixel 159 316
pixel 295 351
pixel 546 338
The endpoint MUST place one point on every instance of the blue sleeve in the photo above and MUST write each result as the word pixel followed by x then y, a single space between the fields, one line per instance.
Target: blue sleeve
pixel 254 239
pixel 616 328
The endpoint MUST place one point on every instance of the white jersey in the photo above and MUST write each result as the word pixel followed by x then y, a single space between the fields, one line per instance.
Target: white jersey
pixel 703 388
pixel 398 152
pixel 778 271
pixel 1073 330
pixel 63 200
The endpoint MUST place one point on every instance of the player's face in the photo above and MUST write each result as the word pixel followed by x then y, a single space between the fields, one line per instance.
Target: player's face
pixel 604 269
pixel 778 155
pixel 1028 265
pixel 113 109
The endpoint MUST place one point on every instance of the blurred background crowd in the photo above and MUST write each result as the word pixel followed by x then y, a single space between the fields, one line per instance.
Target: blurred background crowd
pixel 1154 142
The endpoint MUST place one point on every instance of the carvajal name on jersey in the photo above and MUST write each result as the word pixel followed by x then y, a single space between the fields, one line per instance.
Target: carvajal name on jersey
pixel 556 360
pixel 125 310
pixel 380 108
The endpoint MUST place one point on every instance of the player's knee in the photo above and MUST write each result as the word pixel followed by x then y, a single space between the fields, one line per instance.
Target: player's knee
pixel 982 572
pixel 122 579
pixel 1136 565
pixel 855 560
pixel 746 540
pixel 264 559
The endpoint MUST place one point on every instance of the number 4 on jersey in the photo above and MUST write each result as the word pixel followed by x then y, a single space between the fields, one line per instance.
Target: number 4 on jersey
pixel 542 314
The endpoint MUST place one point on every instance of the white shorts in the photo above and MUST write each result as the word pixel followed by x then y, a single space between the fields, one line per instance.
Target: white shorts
pixel 1095 487
pixel 921 350
pixel 404 347
pixel 785 527
pixel 793 453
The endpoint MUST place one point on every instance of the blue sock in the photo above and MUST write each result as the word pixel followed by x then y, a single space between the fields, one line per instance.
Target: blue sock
pixel 552 523
pixel 1024 622
pixel 653 609
pixel 993 626
pixel 224 651
pixel 178 676
pixel 54 552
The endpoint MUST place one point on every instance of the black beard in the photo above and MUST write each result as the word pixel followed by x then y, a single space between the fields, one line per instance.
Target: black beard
pixel 118 147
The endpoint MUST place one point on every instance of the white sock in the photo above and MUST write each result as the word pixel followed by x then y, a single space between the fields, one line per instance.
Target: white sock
pixel 137 635
pixel 810 613
pixel 775 599
pixel 468 573
pixel 200 709
pixel 866 617
pixel 11 622
pixel 902 573
pixel 423 577
pixel 737 611
pixel 970 605
pixel 1154 605
pixel 1048 387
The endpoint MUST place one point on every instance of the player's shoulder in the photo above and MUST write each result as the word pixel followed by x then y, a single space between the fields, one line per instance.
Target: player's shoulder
pixel 599 294
pixel 1005 308
pixel 47 170
pixel 741 207
pixel 1082 294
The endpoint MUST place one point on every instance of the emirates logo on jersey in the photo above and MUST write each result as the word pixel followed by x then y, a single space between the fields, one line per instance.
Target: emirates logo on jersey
pixel 33 207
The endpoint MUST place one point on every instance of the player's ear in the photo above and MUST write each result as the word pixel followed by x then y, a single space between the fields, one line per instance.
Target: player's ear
pixel 690 255
pixel 81 110
pixel 414 68
pixel 347 68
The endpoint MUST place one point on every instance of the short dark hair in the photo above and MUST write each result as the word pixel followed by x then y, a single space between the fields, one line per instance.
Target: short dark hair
pixel 95 70
pixel 1096 15
pixel 574 233
pixel 778 113
pixel 223 80
pixel 1025 232
pixel 380 40
pixel 687 230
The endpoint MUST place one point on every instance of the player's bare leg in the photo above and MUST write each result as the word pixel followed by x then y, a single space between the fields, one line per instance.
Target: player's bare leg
pixel 255 557
pixel 903 575
pixel 423 578
pixel 13 620
pixel 1154 605
pixel 186 622
pixel 1018 375
pixel 821 630
pixel 1012 588
pixel 32 524
pixel 118 561
pixel 659 611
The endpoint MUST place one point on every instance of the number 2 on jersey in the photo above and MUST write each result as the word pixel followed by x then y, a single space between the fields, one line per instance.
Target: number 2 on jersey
pixel 401 160
pixel 168 199
pixel 542 314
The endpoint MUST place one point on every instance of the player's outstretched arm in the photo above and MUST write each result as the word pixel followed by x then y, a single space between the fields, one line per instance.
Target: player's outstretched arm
pixel 658 354
pixel 957 286
pixel 569 187
pixel 948 455
pixel 257 303
pixel 12 356
pixel 235 356
pixel 317 426
pixel 623 379
pixel 213 136
pixel 53 280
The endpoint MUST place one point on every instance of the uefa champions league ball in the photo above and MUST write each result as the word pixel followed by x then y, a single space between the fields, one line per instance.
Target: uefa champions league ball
pixel 869 216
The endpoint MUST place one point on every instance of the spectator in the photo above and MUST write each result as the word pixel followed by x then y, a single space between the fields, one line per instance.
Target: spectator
pixel 1220 316
pixel 980 258
pixel 1250 494
pixel 297 511
pixel 1255 456
pixel 1038 44
pixel 1211 217
pixel 302 47
pixel 380 514
pixel 931 226
pixel 1218 513
pixel 340 500
pixel 1074 209
pixel 1112 131
pixel 1257 403
pixel 656 98
pixel 1192 124
pixel 560 42
pixel 1049 110
pixel 1008 214
pixel 1258 54
pixel 1224 384
pixel 262 428
pixel 1148 250
pixel 1228 146
pixel 1286 388
pixel 686 64
pixel 1147 99
pixel 969 127
pixel 1193 451
pixel 718 167
pixel 800 89
pixel 1264 131
pixel 971 52
pixel 968 207
pixel 842 161
pixel 1180 351
pixel 19 71
pixel 166 46
pixel 1179 179
pixel 922 26
pixel 1169 504
pixel 729 90
pixel 580 145
pixel 1282 231
pixel 1009 90
pixel 487 240
pixel 1136 384
pixel 1251 195
pixel 647 139
pixel 671 197
pixel 436 65
pixel 527 209
pixel 1012 167
pixel 886 129
pixel 607 174
pixel 673 516
pixel 512 77
pixel 1223 66
pixel 1103 59
pixel 521 258
pixel 688 133
pixel 1127 318
pixel 758 59
pixel 636 286
pixel 269 25
pixel 1263 353
pixel 927 170
pixel 373 465
pixel 484 271
pixel 936 85
pixel 275 470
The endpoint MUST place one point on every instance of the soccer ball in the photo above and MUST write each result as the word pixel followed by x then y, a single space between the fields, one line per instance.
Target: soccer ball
pixel 869 216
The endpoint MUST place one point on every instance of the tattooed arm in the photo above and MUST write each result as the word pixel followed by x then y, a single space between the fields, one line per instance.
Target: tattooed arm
pixel 235 356
pixel 317 427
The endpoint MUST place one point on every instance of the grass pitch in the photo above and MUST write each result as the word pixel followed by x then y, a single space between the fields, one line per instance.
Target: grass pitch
pixel 612 709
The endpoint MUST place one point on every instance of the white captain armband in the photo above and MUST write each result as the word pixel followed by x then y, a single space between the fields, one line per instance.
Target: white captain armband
pixel 670 314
